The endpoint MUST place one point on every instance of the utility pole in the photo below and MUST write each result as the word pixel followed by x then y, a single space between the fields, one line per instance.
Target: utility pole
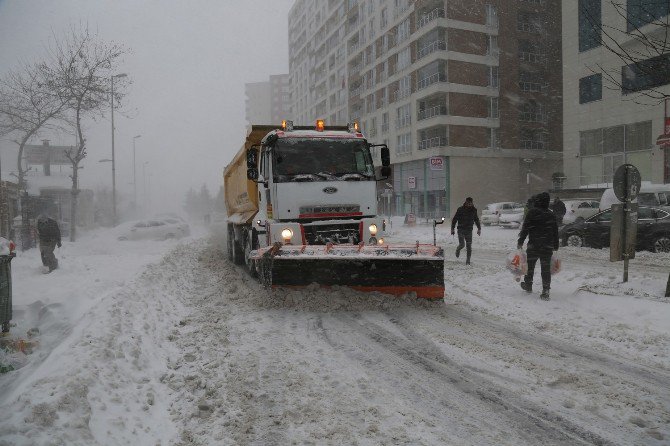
pixel 135 173
pixel 113 158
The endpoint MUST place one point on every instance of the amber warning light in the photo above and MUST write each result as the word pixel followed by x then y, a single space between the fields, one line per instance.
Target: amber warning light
pixel 320 125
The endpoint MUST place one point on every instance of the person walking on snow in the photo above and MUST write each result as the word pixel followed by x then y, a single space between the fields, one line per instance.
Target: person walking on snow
pixel 559 210
pixel 466 217
pixel 541 228
pixel 49 235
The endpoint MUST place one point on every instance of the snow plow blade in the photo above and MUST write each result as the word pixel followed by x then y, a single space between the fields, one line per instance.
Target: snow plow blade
pixel 386 269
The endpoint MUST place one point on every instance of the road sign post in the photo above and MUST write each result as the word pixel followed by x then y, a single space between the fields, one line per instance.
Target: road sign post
pixel 626 185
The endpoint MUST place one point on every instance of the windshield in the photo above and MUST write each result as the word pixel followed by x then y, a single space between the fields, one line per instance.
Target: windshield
pixel 647 198
pixel 302 159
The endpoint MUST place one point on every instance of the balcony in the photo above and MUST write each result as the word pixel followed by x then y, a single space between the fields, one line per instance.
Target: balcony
pixel 528 144
pixel 438 110
pixel 526 56
pixel 430 80
pixel 533 117
pixel 437 141
pixel 372 132
pixel 385 127
pixel 355 92
pixel 437 45
pixel 432 15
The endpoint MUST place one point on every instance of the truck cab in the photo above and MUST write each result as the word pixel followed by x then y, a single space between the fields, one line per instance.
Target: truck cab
pixel 315 186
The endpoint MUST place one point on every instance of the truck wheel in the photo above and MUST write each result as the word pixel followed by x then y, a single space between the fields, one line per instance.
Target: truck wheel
pixel 238 250
pixel 230 237
pixel 249 245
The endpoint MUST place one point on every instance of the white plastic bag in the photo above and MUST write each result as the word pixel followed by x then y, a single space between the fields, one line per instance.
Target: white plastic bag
pixel 517 264
pixel 556 264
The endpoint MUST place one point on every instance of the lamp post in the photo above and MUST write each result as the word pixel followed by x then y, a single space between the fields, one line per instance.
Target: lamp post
pixel 144 183
pixel 135 173
pixel 113 159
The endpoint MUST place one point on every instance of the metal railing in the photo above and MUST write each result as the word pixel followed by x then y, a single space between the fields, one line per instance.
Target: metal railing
pixel 403 121
pixel 436 45
pixel 429 17
pixel 529 144
pixel 430 112
pixel 533 117
pixel 430 80
pixel 526 56
pixel 437 141
pixel 401 94
pixel 385 127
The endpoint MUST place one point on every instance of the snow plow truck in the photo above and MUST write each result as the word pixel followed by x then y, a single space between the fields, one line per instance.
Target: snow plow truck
pixel 302 209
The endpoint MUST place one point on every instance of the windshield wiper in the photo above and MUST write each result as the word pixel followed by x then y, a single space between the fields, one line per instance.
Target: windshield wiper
pixel 303 177
pixel 354 176
pixel 326 175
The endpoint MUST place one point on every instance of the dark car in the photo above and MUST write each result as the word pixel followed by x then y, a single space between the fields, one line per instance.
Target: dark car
pixel 653 230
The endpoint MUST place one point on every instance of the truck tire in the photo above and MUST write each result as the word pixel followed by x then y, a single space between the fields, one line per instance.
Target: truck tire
pixel 238 250
pixel 230 238
pixel 250 243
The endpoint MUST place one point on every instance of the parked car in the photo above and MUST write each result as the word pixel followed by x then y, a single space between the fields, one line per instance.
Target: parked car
pixel 580 209
pixel 513 217
pixel 650 195
pixel 653 230
pixel 154 229
pixel 491 213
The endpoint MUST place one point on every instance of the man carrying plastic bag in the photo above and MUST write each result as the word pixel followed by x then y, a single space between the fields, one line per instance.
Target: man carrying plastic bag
pixel 541 228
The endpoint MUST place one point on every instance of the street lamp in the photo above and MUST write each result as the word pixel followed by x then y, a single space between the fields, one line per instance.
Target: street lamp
pixel 135 173
pixel 113 162
pixel 144 182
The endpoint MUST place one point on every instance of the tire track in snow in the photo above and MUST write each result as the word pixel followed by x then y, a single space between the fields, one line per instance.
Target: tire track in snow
pixel 433 369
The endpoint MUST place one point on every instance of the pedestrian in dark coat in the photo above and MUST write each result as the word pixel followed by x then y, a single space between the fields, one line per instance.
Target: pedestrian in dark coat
pixel 49 235
pixel 542 231
pixel 465 217
pixel 559 210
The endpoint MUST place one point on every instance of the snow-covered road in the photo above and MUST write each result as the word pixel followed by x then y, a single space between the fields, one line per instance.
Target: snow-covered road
pixel 194 351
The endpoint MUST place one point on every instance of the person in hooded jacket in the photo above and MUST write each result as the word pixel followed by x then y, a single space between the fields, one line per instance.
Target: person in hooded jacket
pixel 541 228
pixel 559 210
pixel 49 236
pixel 466 217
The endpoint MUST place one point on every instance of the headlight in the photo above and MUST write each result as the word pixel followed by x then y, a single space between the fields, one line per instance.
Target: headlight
pixel 286 234
pixel 373 229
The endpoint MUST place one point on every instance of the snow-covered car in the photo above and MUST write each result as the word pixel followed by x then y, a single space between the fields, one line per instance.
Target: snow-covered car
pixel 653 230
pixel 511 218
pixel 579 209
pixel 154 229
pixel 491 212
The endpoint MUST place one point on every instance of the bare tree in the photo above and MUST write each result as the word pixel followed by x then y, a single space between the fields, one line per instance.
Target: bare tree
pixel 643 47
pixel 82 66
pixel 28 104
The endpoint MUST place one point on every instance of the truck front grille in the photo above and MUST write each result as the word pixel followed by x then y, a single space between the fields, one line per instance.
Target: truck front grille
pixel 333 233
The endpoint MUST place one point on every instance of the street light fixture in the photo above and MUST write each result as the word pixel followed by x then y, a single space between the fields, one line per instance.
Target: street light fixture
pixel 117 76
pixel 528 162
pixel 135 172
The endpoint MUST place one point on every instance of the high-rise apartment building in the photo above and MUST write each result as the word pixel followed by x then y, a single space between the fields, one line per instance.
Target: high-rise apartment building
pixel 617 71
pixel 466 93
pixel 267 102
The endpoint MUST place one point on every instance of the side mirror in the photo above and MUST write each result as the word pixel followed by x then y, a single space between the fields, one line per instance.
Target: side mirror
pixel 386 156
pixel 252 174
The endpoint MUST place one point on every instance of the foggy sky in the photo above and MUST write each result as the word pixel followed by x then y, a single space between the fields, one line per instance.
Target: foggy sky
pixel 189 62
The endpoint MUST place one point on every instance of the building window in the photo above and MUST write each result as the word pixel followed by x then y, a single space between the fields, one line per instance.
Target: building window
pixel 590 23
pixel 493 77
pixel 404 59
pixel 403 116
pixel 528 22
pixel 404 145
pixel 494 143
pixel 643 12
pixel 491 16
pixel 383 19
pixel 591 88
pixel 492 46
pixel 403 31
pixel 493 108
pixel 645 74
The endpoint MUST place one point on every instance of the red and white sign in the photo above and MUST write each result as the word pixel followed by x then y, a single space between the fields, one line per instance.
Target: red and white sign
pixel 411 182
pixel 436 163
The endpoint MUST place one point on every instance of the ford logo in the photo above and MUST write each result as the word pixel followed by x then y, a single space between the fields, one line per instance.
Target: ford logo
pixel 330 190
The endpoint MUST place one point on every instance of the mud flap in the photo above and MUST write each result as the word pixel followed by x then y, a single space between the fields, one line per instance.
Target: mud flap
pixel 392 270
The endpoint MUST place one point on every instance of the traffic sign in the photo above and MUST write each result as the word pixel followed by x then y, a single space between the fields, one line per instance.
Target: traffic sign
pixel 411 182
pixel 436 163
pixel 627 182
